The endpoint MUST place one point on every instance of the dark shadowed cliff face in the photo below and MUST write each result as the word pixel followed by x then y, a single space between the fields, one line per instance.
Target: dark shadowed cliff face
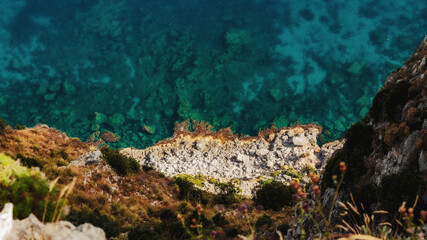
pixel 386 152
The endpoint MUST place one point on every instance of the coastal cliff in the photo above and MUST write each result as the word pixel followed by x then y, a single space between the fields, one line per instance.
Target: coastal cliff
pixel 386 151
pixel 274 153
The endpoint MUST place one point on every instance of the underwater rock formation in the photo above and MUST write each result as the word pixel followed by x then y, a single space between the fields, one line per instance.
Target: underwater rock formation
pixel 278 153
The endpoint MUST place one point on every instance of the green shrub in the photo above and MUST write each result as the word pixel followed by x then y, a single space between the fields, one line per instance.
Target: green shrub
pixel 122 164
pixel 19 127
pixel 309 169
pixel 183 207
pixel 273 195
pixel 27 189
pixel 283 228
pixel 146 168
pixel 219 220
pixel 293 173
pixel 187 191
pixel 110 226
pixel 228 193
pixel 206 222
pixel 231 232
pixel 142 233
pixel 29 162
pixel 175 231
pixel 167 215
pixel 197 180
pixel 264 220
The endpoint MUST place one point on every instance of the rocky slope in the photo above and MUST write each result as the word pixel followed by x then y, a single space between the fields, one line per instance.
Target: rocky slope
pixel 386 152
pixel 281 153
pixel 146 201
pixel 48 145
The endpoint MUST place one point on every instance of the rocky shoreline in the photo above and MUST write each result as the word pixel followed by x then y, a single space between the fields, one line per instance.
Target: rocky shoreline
pixel 281 154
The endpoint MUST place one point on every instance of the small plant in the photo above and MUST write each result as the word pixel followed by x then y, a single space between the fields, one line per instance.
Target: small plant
pixel 354 223
pixel 283 228
pixel 197 180
pixel 142 233
pixel 187 191
pixel 196 223
pixel 184 207
pixel 97 218
pixel 275 173
pixel 19 127
pixel 273 195
pixel 167 215
pixel 29 162
pixel 309 169
pixel 17 181
pixel 30 191
pixel 122 164
pixel 219 220
pixel 264 221
pixel 293 173
pixel 229 193
pixel 147 168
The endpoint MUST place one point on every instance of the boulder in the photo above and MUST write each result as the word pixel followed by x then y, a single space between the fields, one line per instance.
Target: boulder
pixel 32 228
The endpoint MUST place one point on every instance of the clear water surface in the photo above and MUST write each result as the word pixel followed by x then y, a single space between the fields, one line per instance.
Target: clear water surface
pixel 136 67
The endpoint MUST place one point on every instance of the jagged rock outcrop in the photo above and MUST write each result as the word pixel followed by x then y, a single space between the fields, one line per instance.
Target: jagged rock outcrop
pixel 88 159
pixel 386 152
pixel 32 228
pixel 240 158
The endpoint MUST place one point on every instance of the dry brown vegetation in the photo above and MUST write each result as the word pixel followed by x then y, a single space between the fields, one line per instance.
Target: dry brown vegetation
pixel 42 142
pixel 202 129
pixel 130 200
pixel 396 132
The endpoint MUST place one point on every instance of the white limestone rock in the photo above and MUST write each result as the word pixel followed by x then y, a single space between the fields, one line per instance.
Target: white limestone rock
pixel 31 228
pixel 88 158
pixel 300 141
pixel 244 160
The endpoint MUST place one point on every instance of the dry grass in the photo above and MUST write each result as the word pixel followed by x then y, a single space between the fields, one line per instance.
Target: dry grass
pixel 203 130
pixel 42 142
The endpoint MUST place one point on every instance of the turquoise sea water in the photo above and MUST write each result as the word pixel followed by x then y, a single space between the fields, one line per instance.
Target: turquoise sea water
pixel 136 67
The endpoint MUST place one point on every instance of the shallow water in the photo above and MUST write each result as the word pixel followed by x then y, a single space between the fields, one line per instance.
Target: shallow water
pixel 136 67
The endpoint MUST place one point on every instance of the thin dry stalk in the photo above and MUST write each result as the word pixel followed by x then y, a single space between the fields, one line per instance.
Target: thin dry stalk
pixel 51 187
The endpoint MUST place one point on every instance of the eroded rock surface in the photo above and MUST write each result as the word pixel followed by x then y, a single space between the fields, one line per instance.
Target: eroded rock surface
pixel 243 159
pixel 32 228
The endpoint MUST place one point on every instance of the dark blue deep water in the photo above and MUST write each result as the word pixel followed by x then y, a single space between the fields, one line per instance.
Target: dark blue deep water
pixel 135 67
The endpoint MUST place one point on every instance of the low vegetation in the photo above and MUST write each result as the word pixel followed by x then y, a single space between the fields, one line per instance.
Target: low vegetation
pixel 132 204
pixel 273 195
pixel 349 219
pixel 122 164
pixel 30 191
